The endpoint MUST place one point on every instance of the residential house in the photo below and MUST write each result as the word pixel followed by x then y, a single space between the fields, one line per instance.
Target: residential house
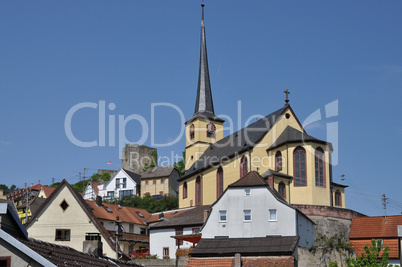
pixel 124 183
pixel 160 181
pixel 65 218
pixel 251 219
pixel 16 249
pixel 45 191
pixel 364 229
pixel 177 231
pixel 20 195
pixel 33 206
pixel 91 190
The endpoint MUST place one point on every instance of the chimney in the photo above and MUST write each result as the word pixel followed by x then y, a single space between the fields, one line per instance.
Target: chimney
pixel 99 201
pixel 93 244
pixel 206 213
pixel 271 182
pixel 161 215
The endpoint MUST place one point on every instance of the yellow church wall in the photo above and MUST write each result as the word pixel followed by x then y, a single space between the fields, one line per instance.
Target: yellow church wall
pixel 342 191
pixel 277 180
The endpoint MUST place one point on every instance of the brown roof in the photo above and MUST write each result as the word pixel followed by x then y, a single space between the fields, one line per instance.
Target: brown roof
pixel 34 204
pixel 95 187
pixel 250 179
pixel 254 246
pixel 166 214
pixel 66 256
pixel 36 187
pixel 126 214
pixel 193 216
pixel 156 172
pixel 132 237
pixel 375 227
pixel 48 190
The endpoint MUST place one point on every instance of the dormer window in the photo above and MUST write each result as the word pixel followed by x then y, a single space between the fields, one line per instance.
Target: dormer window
pixel 211 130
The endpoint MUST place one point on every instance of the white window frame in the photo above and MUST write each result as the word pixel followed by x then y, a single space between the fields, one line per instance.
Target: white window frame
pixel 220 216
pixel 244 215
pixel 276 215
pixel 247 192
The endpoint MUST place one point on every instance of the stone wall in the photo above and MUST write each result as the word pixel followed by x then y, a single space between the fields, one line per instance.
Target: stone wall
pixel 322 257
pixel 135 157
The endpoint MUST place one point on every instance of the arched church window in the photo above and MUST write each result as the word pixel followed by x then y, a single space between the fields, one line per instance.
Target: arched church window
pixel 219 182
pixel 192 131
pixel 198 191
pixel 299 159
pixel 338 199
pixel 278 161
pixel 319 167
pixel 243 166
pixel 185 190
pixel 211 130
pixel 282 189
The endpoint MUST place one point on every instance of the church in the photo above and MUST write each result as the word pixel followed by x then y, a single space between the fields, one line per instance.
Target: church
pixel 292 162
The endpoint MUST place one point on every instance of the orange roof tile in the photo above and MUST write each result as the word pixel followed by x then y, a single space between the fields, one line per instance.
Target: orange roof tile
pixel 36 187
pixel 126 214
pixel 48 190
pixel 95 187
pixel 375 227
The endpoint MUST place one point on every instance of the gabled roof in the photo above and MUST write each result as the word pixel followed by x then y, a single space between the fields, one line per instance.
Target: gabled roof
pixel 16 228
pixel 66 256
pixel 291 135
pixel 135 176
pixel 85 207
pixel 36 187
pixel 126 214
pixel 156 172
pixel 48 190
pixel 193 216
pixel 255 246
pixel 270 173
pixel 34 204
pixel 375 227
pixel 235 144
pixel 339 185
pixel 251 179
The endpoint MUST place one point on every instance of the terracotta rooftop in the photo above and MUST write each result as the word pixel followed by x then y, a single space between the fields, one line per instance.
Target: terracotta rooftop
pixel 193 216
pixel 126 214
pixel 48 190
pixel 250 179
pixel 375 227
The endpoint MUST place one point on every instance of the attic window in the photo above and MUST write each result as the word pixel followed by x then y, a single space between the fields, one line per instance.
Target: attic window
pixel 64 205
pixel 139 214
pixel 107 209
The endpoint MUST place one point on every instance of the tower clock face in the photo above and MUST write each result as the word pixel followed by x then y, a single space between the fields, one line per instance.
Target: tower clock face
pixel 211 127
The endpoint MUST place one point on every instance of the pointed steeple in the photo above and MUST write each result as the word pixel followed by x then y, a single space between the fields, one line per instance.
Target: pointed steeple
pixel 204 105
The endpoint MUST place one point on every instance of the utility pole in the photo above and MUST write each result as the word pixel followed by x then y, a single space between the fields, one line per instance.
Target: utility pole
pixel 118 226
pixel 27 203
pixel 384 205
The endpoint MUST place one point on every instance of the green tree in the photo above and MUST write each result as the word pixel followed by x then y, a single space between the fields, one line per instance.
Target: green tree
pixel 370 257
pixel 181 165
pixel 5 188
pixel 153 162
pixel 149 203
pixel 99 178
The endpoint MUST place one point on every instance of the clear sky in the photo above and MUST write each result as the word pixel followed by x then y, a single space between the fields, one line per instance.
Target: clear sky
pixel 58 54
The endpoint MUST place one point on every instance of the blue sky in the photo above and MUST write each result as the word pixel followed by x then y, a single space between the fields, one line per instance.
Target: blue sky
pixel 55 55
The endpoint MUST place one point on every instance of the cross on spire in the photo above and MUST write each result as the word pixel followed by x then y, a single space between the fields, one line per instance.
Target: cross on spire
pixel 287 92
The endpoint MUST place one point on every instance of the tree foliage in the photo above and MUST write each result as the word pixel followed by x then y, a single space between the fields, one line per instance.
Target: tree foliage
pixel 7 190
pixel 100 178
pixel 153 162
pixel 181 165
pixel 370 257
pixel 149 203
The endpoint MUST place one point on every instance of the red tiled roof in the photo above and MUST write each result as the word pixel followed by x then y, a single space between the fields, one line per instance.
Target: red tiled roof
pixel 48 190
pixel 126 214
pixel 95 187
pixel 375 227
pixel 36 187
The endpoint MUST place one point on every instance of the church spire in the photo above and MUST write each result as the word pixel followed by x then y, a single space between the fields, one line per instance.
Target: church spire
pixel 204 104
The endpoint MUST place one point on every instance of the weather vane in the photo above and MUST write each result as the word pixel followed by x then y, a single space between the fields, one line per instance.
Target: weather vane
pixel 287 96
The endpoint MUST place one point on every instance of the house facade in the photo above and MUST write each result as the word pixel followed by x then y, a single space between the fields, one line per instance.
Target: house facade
pixel 251 208
pixel 91 191
pixel 160 181
pixel 124 183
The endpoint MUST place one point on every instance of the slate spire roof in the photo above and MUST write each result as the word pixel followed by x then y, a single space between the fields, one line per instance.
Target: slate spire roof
pixel 204 106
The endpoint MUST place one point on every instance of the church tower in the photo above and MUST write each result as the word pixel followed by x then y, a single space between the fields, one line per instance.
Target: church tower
pixel 204 127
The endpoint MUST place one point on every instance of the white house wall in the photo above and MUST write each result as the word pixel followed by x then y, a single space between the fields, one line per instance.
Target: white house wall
pixel 161 238
pixel 259 202
pixel 111 185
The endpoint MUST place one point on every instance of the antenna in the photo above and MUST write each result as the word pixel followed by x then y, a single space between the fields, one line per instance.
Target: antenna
pixel 384 205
